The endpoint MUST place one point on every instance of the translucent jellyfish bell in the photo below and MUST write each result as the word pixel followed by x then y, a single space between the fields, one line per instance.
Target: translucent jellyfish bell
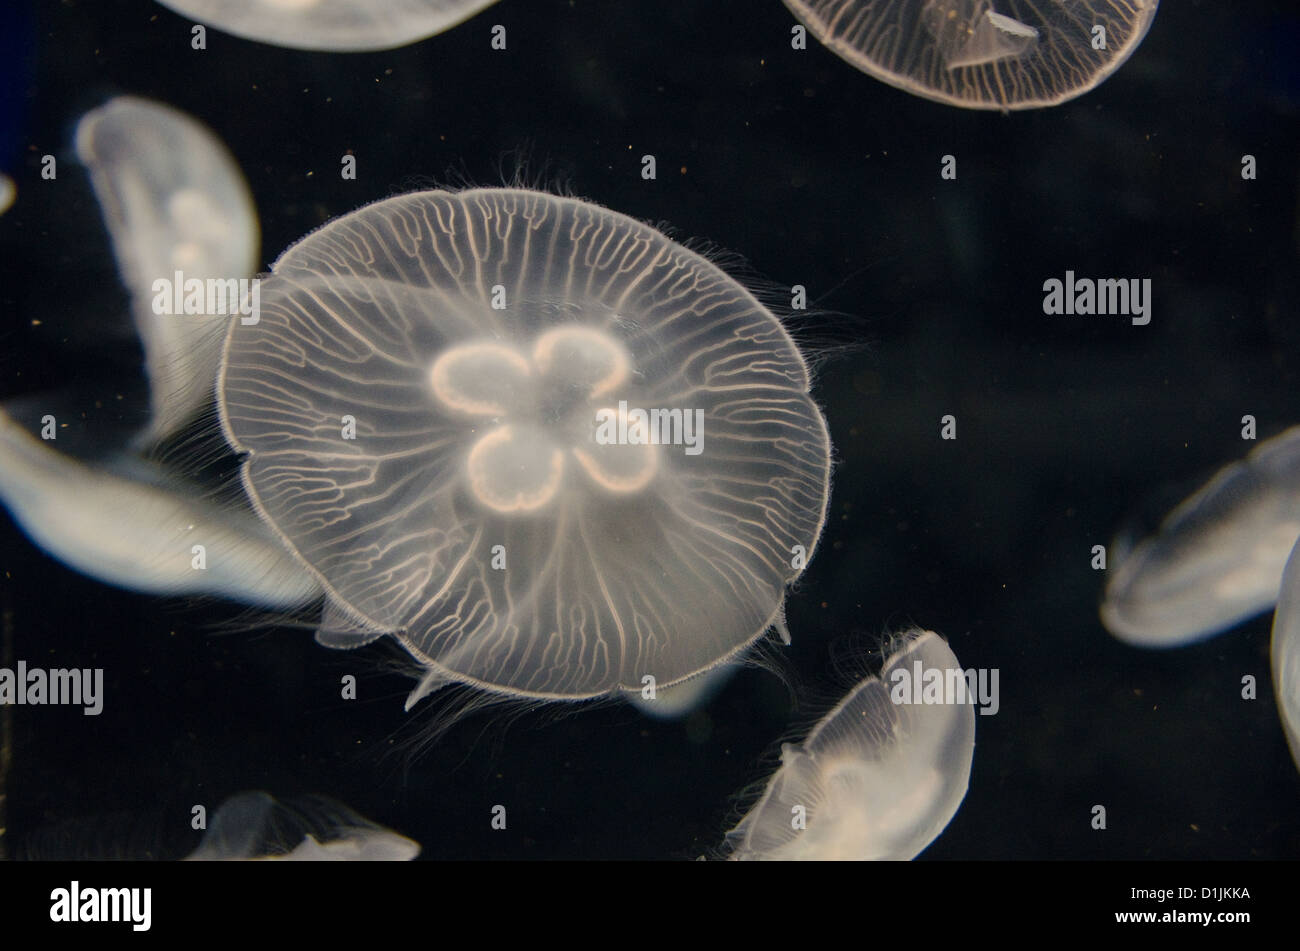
pixel 132 525
pixel 1286 653
pixel 173 198
pixel 1217 559
pixel 175 204
pixel 982 54
pixel 875 779
pixel 333 25
pixel 549 450
pixel 254 826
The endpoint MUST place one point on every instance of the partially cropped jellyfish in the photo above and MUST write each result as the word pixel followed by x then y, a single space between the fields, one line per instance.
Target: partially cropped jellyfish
pixel 253 826
pixel 331 25
pixel 551 452
pixel 1217 559
pixel 174 202
pixel 180 214
pixel 982 54
pixel 684 697
pixel 129 524
pixel 1286 653
pixel 881 775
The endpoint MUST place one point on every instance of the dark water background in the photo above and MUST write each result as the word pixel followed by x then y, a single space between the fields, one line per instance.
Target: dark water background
pixel 817 175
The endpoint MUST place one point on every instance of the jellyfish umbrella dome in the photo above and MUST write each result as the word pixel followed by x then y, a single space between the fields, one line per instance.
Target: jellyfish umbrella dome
pixel 549 450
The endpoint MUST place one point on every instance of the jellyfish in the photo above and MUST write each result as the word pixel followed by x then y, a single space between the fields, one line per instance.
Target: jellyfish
pixel 1286 653
pixel 173 198
pixel 134 525
pixel 982 54
pixel 880 776
pixel 8 192
pixel 684 697
pixel 179 213
pixel 547 449
pixel 348 26
pixel 254 826
pixel 1218 557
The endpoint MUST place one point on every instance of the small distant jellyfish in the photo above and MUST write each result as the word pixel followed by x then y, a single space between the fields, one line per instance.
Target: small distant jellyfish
pixel 1286 653
pixel 547 449
pixel 982 54
pixel 254 826
pixel 876 778
pixel 344 26
pixel 1217 559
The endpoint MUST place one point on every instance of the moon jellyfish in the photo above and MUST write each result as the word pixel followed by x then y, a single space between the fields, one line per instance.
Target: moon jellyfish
pixel 878 777
pixel 180 215
pixel 1217 558
pixel 347 26
pixel 136 528
pixel 172 198
pixel 982 54
pixel 253 826
pixel 1286 653
pixel 684 697
pixel 547 449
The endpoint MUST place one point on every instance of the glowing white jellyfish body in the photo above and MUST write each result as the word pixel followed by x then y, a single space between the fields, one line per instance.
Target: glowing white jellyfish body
pixel 876 778
pixel 121 528
pixel 172 198
pixel 330 25
pixel 982 54
pixel 254 826
pixel 1217 559
pixel 179 213
pixel 1286 653
pixel 550 451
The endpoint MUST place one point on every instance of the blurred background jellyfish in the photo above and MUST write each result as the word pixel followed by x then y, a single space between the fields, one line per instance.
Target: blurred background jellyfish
pixel 880 776
pixel 982 54
pixel 133 526
pixel 347 26
pixel 683 697
pixel 253 826
pixel 1221 558
pixel 550 451
pixel 1217 559
pixel 248 826
pixel 1286 654
pixel 177 210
